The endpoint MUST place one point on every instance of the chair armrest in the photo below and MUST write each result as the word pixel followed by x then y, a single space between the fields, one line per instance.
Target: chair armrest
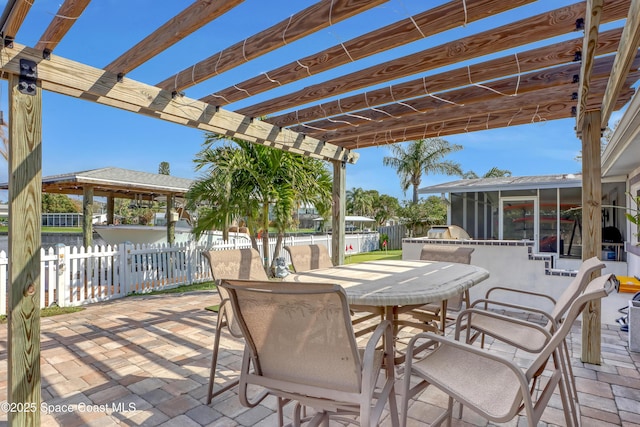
pixel 384 331
pixel 510 305
pixel 523 323
pixel 518 291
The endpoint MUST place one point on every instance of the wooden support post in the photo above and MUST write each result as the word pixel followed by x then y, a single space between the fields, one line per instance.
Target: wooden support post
pixel 25 219
pixel 338 212
pixel 110 209
pixel 87 216
pixel 171 224
pixel 592 227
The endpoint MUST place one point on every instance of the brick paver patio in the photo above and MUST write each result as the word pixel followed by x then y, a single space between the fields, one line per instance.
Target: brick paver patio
pixel 145 361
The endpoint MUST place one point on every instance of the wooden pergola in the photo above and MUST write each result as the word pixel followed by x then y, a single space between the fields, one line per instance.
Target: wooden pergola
pixel 561 65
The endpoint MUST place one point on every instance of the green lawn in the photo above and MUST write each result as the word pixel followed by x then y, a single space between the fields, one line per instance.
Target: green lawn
pixel 373 256
pixel 50 311
pixel 204 286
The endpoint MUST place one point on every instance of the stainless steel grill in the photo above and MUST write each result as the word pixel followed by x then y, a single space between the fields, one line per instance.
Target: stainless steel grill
pixel 447 232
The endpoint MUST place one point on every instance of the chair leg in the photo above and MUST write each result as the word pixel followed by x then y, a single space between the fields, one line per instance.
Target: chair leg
pixel 214 357
pixel 443 315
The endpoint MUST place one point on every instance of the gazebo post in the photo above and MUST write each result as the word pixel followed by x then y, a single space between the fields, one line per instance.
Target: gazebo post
pixel 87 215
pixel 338 212
pixel 592 228
pixel 110 209
pixel 171 223
pixel 25 224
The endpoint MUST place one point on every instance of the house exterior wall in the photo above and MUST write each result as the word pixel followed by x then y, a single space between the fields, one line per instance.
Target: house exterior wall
pixel 632 247
pixel 511 264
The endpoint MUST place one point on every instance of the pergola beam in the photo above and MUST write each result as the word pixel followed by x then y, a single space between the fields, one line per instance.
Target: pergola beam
pixel 539 100
pixel 592 19
pixel 75 79
pixel 517 116
pixel 12 18
pixel 490 97
pixel 314 18
pixel 177 28
pixel 425 24
pixel 515 34
pixel 626 52
pixel 531 60
pixel 67 15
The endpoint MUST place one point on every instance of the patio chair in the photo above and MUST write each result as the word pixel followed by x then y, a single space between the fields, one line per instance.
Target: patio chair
pixel 230 264
pixel 302 346
pixel 437 313
pixel 313 257
pixel 494 387
pixel 309 257
pixel 479 322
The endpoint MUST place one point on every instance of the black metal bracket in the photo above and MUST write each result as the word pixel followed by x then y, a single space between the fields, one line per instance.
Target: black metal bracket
pixel 7 41
pixel 46 54
pixel 27 83
pixel 574 111
pixel 577 57
pixel 579 24
pixel 576 78
pixel 574 96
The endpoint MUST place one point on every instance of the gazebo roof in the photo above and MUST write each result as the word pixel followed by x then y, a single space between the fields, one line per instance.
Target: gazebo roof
pixel 118 182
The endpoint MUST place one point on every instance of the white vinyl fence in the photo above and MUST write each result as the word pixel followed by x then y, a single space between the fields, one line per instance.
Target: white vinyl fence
pixel 71 276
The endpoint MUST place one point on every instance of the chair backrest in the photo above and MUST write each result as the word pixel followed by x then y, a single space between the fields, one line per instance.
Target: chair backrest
pixel 446 253
pixel 298 333
pixel 234 264
pixel 243 264
pixel 598 288
pixel 576 287
pixel 309 257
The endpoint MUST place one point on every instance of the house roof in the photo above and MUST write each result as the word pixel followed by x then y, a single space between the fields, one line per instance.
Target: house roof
pixel 122 183
pixel 505 183
pixel 622 154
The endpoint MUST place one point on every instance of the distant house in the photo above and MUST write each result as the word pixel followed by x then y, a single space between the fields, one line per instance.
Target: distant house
pixel 543 209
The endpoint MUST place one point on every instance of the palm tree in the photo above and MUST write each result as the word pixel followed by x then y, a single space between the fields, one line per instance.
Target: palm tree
pixel 359 201
pixel 423 156
pixel 246 179
pixel 4 131
pixel 219 193
pixel 494 172
pixel 164 168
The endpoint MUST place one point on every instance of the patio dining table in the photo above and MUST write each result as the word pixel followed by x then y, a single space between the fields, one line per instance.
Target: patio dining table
pixel 392 287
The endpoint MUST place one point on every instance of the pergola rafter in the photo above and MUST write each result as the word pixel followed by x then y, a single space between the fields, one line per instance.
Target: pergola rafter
pixel 428 23
pixel 312 19
pixel 558 84
pixel 483 73
pixel 519 33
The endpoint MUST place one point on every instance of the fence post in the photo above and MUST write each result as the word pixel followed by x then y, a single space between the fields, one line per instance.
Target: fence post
pixel 63 292
pixel 124 261
pixel 190 254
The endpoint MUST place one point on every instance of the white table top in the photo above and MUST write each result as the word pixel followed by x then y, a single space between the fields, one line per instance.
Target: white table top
pixel 396 283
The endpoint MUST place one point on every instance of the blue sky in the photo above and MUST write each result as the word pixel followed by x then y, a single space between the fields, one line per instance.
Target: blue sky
pixel 80 135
